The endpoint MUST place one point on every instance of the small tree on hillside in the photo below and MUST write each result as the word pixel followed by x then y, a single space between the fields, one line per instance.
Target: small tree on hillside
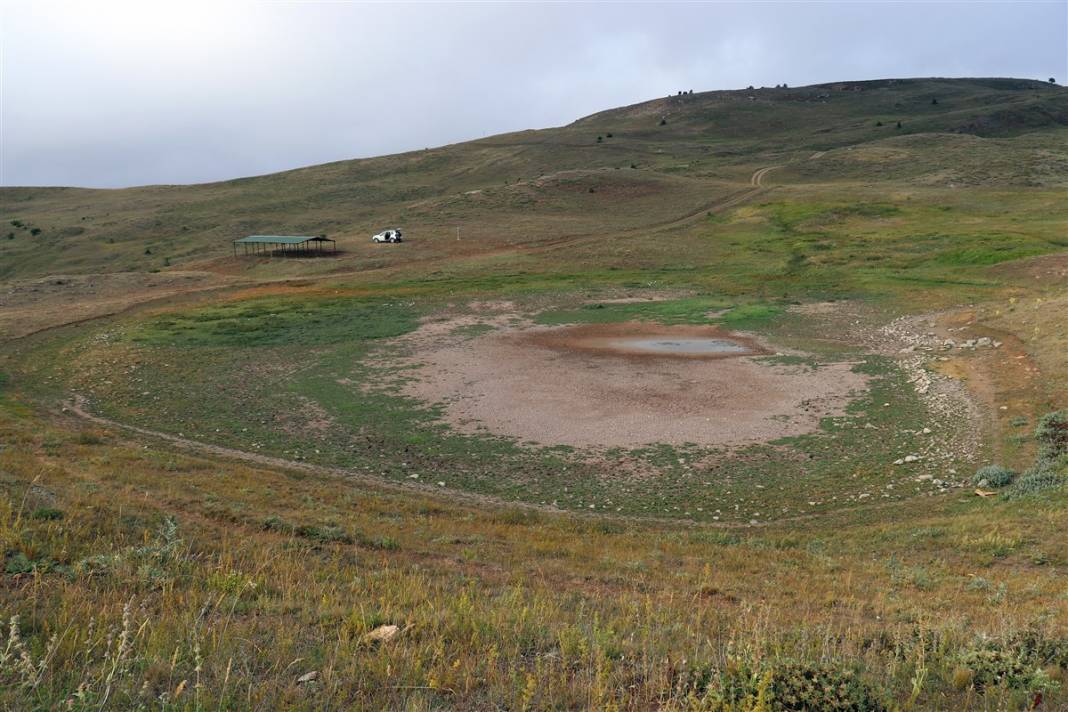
pixel 934 102
pixel 663 122
pixel 1052 80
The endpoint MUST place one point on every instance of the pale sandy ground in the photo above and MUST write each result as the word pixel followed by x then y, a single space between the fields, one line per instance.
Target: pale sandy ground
pixel 546 386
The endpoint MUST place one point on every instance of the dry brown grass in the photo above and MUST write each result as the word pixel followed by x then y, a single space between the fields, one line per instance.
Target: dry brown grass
pixel 191 583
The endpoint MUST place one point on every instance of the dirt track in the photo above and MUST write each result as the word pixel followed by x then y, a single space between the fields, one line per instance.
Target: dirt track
pixel 37 310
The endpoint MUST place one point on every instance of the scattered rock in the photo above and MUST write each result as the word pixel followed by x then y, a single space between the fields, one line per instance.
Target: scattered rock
pixel 308 677
pixel 382 634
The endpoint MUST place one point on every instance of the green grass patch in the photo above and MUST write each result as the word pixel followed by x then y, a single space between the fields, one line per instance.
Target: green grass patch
pixel 278 322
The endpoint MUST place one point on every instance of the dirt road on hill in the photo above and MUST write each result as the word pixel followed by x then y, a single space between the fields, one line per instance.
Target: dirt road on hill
pixel 756 187
pixel 40 309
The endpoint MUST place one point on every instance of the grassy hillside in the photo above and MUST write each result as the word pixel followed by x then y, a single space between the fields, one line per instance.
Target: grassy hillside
pixel 626 168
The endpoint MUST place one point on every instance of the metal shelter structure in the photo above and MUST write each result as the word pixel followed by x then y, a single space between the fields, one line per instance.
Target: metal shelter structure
pixel 284 245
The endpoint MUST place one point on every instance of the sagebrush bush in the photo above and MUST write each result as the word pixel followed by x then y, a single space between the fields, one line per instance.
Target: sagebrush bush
pixel 1037 479
pixel 1017 663
pixel 993 476
pixel 1040 648
pixel 991 666
pixel 1052 435
pixel 785 686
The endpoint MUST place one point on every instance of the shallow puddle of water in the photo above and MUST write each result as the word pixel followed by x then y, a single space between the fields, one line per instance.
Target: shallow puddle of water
pixel 695 346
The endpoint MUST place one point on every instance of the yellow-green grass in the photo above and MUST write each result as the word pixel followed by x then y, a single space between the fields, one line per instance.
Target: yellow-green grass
pixel 240 580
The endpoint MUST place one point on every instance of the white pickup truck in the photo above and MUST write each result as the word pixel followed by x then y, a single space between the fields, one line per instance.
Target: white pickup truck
pixel 391 235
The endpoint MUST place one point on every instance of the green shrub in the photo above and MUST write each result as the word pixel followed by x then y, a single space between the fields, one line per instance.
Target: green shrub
pixel 1040 648
pixel 18 563
pixel 1037 479
pixel 1015 664
pixel 1052 434
pixel 327 534
pixel 274 523
pixel 993 666
pixel 786 686
pixel 46 514
pixel 993 476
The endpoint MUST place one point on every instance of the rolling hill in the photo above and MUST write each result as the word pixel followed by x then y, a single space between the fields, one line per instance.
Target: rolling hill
pixel 629 168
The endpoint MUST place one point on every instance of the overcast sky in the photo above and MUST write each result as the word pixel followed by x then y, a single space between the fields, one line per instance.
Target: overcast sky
pixel 113 94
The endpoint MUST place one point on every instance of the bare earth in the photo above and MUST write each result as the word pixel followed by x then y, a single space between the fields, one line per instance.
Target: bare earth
pixel 31 305
pixel 549 386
